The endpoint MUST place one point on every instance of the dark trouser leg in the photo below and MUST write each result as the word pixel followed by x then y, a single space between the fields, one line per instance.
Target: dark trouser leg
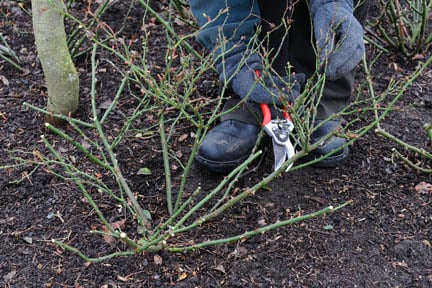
pixel 230 143
pixel 295 47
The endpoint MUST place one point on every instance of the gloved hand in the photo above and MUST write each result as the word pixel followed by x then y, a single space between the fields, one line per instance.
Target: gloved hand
pixel 339 36
pixel 268 89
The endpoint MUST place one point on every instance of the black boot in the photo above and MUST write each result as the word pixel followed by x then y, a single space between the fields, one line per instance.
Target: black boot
pixel 227 145
pixel 331 144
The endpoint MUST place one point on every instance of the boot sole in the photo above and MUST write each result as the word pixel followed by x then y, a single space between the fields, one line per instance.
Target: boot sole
pixel 334 160
pixel 218 167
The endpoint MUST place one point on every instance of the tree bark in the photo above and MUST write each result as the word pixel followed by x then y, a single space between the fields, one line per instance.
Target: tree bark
pixel 60 73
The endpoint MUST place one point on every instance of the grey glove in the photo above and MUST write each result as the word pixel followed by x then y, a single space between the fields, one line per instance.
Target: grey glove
pixel 339 36
pixel 268 89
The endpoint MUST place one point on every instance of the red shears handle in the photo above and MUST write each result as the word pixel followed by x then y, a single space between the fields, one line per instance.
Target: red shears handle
pixel 266 114
pixel 266 109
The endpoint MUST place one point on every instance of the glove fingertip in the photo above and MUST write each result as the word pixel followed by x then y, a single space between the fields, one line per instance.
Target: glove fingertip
pixel 300 78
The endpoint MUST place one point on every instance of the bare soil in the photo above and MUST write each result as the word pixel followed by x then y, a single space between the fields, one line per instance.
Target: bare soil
pixel 382 240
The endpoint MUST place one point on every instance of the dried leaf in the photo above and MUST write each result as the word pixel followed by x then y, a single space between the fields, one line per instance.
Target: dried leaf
pixel 220 268
pixel 418 56
pixel 240 251
pixel 402 264
pixel 182 276
pixel 157 259
pixel 262 222
pixel 144 171
pixel 4 80
pixel 115 225
pixel 105 105
pixel 29 240
pixel 179 21
pixel 183 137
pixel 180 76
pixel 118 224
pixel 8 277
pixel 123 279
pixel 109 239
pixel 37 155
pixel 63 149
pixel 85 144
pixel 424 188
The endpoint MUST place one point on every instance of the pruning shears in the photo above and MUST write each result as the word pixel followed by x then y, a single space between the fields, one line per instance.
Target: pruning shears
pixel 279 130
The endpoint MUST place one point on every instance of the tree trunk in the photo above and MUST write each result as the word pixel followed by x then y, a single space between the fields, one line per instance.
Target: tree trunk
pixel 60 73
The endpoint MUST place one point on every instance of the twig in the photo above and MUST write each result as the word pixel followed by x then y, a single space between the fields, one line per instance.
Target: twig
pixel 166 164
pixel 116 168
pixel 260 230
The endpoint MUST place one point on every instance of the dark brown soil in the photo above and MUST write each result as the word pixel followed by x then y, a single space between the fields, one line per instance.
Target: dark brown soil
pixel 382 240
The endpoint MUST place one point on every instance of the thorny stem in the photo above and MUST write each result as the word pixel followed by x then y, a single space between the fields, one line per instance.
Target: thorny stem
pixel 90 259
pixel 166 164
pixel 261 230
pixel 170 29
pixel 300 154
pixel 131 243
pixel 79 146
pixel 410 163
pixel 379 118
pixel 7 54
pixel 60 116
pixel 187 169
pixel 156 238
pixel 116 168
pixel 404 144
pixel 409 23
pixel 159 235
pixel 74 43
pixel 215 191
pixel 11 62
pixel 115 100
pixel 79 183
pixel 419 151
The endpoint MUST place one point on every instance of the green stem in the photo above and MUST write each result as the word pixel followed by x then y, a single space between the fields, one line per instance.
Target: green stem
pixel 401 90
pixel 60 116
pixel 166 163
pixel 410 163
pixel 261 230
pixel 170 29
pixel 116 168
pixel 428 129
pixel 187 169
pixel 393 138
pixel 79 183
pixel 214 192
pixel 11 62
pixel 177 212
pixel 78 145
pixel 89 259
pixel 115 100
pixel 131 243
